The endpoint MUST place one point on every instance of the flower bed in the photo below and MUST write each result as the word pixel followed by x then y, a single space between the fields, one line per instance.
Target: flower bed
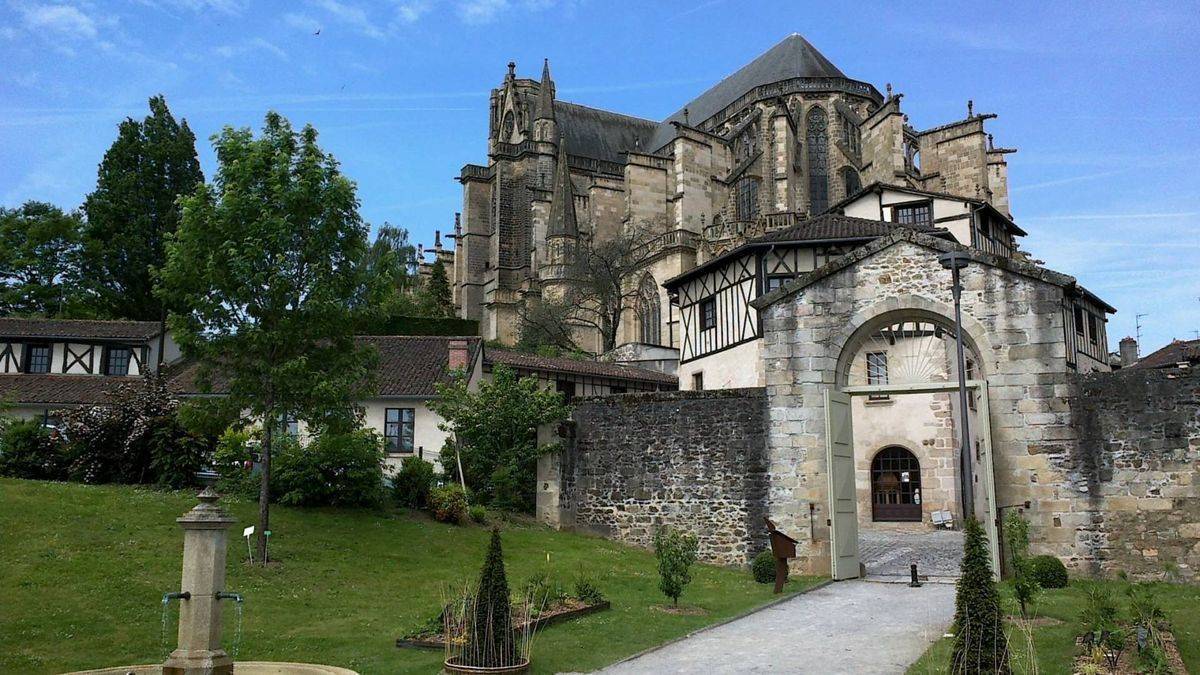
pixel 565 610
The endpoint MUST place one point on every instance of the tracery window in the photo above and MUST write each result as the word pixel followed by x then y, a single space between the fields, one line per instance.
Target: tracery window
pixel 817 126
pixel 747 199
pixel 649 312
pixel 509 124
pixel 746 144
pixel 851 135
pixel 850 180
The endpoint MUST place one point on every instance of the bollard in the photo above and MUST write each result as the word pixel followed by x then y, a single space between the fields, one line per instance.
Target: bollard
pixel 912 571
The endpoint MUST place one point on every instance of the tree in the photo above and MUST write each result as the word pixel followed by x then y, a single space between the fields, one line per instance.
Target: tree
pixel 134 209
pixel 980 645
pixel 491 636
pixel 39 247
pixel 676 553
pixel 392 261
pixel 495 434
pixel 441 298
pixel 1024 581
pixel 269 259
pixel 601 292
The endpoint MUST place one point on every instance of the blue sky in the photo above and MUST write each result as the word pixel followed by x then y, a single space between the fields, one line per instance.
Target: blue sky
pixel 1102 103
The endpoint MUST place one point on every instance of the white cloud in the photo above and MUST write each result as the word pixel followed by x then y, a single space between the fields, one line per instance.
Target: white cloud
pixel 232 7
pixel 351 15
pixel 63 19
pixel 411 11
pixel 254 44
pixel 481 11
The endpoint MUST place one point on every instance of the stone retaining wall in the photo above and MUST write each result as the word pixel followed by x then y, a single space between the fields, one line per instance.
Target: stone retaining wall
pixel 692 460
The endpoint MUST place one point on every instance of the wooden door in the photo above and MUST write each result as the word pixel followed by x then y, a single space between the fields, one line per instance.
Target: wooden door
pixel 843 507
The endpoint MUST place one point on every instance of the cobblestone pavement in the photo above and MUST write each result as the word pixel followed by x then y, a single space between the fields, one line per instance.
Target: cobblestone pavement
pixel 938 553
pixel 845 627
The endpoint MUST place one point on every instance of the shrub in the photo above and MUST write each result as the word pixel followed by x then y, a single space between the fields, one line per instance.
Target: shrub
pixel 491 640
pixel 542 591
pixel 136 437
pixel 1024 584
pixel 478 513
pixel 1048 571
pixel 449 504
pixel 763 567
pixel 335 469
pixel 587 591
pixel 233 460
pixel 412 483
pixel 28 450
pixel 676 553
pixel 980 645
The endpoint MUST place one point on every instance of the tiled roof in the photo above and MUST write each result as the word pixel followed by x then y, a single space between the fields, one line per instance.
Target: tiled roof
pixel 518 360
pixel 77 328
pixel 45 389
pixel 409 365
pixel 832 226
pixel 1179 351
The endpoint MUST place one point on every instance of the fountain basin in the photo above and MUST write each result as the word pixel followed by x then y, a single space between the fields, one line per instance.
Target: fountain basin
pixel 239 668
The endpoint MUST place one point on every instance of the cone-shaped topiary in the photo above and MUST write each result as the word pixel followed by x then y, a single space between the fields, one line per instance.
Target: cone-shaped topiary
pixel 980 645
pixel 491 638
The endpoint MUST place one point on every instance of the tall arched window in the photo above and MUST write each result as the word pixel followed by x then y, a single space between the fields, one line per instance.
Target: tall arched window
pixel 850 180
pixel 817 126
pixel 747 199
pixel 895 486
pixel 649 312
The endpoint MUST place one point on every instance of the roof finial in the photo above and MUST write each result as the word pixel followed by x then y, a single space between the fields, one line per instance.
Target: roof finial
pixel 685 117
pixel 970 108
pixel 889 90
pixel 512 68
pixel 457 225
pixel 991 146
pixel 437 240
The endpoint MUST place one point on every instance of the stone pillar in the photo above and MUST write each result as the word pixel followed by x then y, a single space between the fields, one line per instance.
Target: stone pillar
pixel 205 533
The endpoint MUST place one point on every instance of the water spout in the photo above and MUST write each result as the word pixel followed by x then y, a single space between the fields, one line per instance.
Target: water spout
pixel 237 603
pixel 166 601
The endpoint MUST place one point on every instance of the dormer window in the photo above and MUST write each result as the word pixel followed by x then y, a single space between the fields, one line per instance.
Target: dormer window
pixel 37 358
pixel 117 363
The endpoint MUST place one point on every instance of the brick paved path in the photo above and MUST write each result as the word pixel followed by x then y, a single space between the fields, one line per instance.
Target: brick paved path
pixel 938 553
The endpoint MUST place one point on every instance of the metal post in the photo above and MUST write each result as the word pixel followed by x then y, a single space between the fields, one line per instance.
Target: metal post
pixel 955 261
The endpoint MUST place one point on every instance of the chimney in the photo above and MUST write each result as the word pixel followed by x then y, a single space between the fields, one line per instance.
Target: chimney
pixel 1129 351
pixel 458 350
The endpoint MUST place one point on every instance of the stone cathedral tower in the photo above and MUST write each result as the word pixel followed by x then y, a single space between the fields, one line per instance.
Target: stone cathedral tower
pixel 786 137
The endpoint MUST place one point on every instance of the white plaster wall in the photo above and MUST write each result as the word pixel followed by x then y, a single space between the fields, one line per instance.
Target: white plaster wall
pixel 428 439
pixel 740 366
pixel 869 206
pixel 18 352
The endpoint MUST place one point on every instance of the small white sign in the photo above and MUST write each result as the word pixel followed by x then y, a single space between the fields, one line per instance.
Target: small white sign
pixel 248 531
pixel 904 478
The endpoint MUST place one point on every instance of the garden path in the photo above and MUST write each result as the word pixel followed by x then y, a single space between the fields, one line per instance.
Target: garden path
pixel 845 627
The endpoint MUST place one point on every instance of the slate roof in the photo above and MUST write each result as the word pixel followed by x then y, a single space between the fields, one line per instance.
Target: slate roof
pixel 409 365
pixel 46 389
pixel 827 227
pixel 1179 351
pixel 11 327
pixel 568 366
pixel 600 134
pixel 792 57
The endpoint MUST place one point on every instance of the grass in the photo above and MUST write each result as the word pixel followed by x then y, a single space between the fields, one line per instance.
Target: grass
pixel 1054 645
pixel 84 569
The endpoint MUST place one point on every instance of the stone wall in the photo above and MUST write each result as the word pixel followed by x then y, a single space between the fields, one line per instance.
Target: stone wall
pixel 1137 465
pixel 691 460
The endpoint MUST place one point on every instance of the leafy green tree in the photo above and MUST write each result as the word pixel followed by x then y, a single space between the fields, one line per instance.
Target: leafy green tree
pixel 491 637
pixel 495 434
pixel 268 259
pixel 1024 581
pixel 676 553
pixel 392 262
pixel 980 645
pixel 441 298
pixel 134 209
pixel 39 247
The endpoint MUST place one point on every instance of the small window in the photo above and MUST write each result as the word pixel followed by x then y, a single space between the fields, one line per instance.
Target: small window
pixel 698 381
pixel 118 361
pixel 1079 320
pixel 777 282
pixel 566 388
pixel 914 214
pixel 398 429
pixel 708 314
pixel 1093 333
pixel 37 358
pixel 877 373
pixel 289 425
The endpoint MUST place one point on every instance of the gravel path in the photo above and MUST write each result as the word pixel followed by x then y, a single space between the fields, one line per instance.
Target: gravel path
pixel 845 627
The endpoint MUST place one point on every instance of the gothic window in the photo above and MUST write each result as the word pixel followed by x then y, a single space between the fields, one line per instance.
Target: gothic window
pixel 747 199
pixel 649 312
pixel 851 180
pixel 851 135
pixel 912 155
pixel 817 126
pixel 509 124
pixel 746 144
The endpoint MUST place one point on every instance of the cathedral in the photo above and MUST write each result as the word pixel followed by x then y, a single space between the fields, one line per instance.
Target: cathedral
pixel 785 138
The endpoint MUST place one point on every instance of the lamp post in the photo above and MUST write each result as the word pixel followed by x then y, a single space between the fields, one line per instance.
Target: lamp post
pixel 956 261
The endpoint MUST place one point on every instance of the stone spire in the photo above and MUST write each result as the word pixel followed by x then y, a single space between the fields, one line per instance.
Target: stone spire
pixel 562 203
pixel 545 101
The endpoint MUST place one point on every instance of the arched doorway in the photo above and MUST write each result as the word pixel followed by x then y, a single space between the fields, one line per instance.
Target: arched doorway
pixel 895 486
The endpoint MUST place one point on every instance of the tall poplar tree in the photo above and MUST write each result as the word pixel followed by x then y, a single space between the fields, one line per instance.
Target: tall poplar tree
pixel 132 211
pixel 269 260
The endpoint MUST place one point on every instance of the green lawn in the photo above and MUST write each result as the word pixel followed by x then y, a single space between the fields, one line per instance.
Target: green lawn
pixel 1054 645
pixel 84 569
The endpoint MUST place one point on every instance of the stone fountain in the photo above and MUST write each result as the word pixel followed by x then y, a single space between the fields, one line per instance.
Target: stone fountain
pixel 199 652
